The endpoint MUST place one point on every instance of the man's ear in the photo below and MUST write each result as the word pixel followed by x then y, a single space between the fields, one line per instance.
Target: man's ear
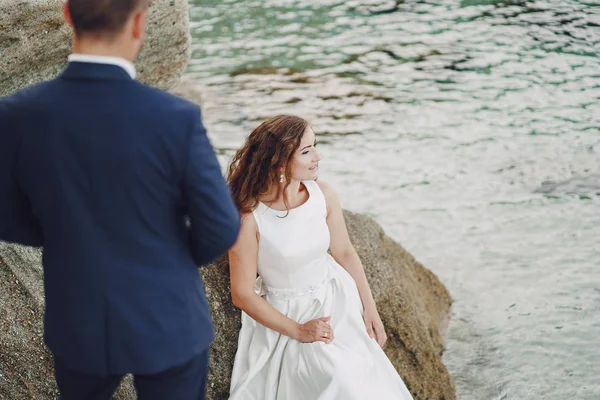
pixel 67 14
pixel 140 22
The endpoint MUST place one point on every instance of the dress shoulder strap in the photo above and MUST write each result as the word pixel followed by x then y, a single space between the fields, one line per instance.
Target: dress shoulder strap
pixel 317 194
pixel 256 215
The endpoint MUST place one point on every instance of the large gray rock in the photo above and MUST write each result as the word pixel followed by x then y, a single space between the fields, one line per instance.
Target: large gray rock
pixel 413 304
pixel 35 43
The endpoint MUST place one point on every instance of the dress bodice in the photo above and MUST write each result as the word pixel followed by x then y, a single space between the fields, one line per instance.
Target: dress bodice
pixel 292 244
pixel 303 282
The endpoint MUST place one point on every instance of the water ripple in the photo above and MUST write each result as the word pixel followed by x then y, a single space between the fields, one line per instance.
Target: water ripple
pixel 469 130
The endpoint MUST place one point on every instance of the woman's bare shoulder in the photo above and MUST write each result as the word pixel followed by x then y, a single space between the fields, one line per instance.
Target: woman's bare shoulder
pixel 248 220
pixel 249 224
pixel 326 188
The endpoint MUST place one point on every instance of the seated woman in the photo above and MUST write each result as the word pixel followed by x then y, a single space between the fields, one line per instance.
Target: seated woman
pixel 310 327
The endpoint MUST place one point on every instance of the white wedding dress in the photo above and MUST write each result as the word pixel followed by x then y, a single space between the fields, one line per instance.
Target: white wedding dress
pixel 300 279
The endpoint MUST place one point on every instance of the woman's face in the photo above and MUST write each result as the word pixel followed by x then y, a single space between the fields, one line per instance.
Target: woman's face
pixel 305 161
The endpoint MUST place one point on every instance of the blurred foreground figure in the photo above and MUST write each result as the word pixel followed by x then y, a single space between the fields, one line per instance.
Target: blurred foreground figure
pixel 119 183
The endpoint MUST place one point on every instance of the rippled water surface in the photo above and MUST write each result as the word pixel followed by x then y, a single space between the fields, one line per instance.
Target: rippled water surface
pixel 471 131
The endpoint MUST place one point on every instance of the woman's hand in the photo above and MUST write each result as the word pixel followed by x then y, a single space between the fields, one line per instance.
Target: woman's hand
pixel 374 325
pixel 317 330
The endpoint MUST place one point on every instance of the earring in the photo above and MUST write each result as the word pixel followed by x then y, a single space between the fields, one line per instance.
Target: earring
pixel 281 178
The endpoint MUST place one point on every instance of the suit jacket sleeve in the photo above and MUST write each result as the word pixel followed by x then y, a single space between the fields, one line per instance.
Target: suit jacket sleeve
pixel 214 218
pixel 17 221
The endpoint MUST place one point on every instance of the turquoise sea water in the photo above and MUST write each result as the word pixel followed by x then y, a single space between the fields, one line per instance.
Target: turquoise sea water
pixel 470 130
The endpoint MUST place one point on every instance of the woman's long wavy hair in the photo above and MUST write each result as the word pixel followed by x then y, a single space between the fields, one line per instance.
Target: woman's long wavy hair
pixel 256 167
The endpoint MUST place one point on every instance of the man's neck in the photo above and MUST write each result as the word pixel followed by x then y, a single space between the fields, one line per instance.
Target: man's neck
pixel 97 48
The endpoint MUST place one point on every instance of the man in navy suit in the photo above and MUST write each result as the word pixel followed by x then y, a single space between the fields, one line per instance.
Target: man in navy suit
pixel 120 185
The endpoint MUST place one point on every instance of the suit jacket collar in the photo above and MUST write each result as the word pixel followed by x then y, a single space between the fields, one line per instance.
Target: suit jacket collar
pixel 94 58
pixel 86 70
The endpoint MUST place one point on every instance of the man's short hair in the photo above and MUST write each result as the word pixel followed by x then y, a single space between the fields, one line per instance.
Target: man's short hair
pixel 102 18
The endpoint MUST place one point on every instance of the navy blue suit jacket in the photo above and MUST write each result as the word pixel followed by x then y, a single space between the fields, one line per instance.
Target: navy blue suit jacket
pixel 121 186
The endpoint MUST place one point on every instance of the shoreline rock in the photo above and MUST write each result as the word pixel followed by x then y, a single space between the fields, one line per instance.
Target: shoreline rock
pixel 35 43
pixel 413 304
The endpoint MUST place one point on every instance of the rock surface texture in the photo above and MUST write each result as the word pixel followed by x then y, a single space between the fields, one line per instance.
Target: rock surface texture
pixel 413 304
pixel 35 43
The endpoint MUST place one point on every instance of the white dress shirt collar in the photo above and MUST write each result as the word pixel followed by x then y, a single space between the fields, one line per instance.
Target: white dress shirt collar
pixel 89 58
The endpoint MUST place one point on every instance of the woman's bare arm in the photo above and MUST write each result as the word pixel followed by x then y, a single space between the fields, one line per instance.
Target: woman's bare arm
pixel 243 258
pixel 344 253
pixel 341 248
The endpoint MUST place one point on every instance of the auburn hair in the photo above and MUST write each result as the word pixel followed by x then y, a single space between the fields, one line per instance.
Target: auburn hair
pixel 266 155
